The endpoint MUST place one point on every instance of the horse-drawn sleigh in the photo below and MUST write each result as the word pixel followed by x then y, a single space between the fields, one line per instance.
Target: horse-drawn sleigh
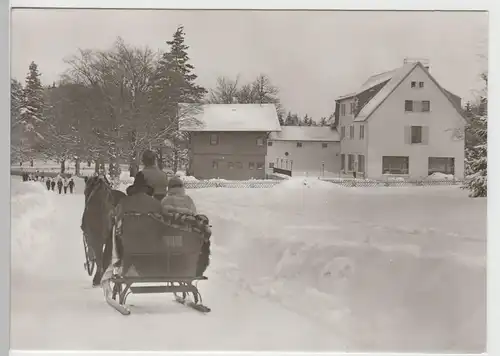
pixel 142 252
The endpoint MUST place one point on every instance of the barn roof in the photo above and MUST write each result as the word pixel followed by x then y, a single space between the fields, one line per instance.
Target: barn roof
pixel 229 117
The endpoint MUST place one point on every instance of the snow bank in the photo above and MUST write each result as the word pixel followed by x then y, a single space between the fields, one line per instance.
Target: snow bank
pixel 304 183
pixel 440 176
pixel 385 272
pixel 185 178
pixel 31 209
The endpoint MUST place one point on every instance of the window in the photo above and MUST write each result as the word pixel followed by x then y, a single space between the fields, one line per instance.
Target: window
pixel 350 163
pixel 445 165
pixel 299 144
pixel 413 84
pixel 215 164
pixel 416 134
pixel 269 143
pixel 230 165
pixel 395 165
pixel 271 165
pixel 342 109
pixel 352 106
pixel 260 141
pixel 420 84
pixel 214 139
pixel 238 165
pixel 260 166
pixel 361 163
pixel 342 132
pixel 324 145
pixel 251 165
pixel 361 132
pixel 417 106
pixel 408 105
pixel 351 132
pixel 342 162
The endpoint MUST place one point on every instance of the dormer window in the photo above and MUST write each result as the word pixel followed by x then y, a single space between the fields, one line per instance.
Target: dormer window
pixel 420 84
pixel 413 84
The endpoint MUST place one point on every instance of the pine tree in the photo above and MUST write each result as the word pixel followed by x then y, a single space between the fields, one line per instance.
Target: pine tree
pixel 31 111
pixel 296 120
pixel 307 120
pixel 175 84
pixel 289 119
pixel 323 121
pixel 476 160
pixel 280 118
pixel 17 130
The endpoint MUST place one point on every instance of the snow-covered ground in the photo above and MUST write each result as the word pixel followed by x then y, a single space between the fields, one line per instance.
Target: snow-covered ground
pixel 304 266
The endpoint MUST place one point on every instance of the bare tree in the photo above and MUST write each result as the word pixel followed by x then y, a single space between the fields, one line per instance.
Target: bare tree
pixel 225 92
pixel 117 103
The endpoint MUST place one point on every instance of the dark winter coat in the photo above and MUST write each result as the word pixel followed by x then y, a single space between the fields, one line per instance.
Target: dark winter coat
pixel 71 183
pixel 156 179
pixel 59 183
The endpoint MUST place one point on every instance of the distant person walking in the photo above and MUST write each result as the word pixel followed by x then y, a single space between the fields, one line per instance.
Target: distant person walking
pixel 65 185
pixel 52 184
pixel 59 185
pixel 47 183
pixel 154 177
pixel 71 185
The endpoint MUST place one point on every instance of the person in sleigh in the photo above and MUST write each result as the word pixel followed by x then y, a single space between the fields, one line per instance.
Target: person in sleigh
pixel 139 199
pixel 179 208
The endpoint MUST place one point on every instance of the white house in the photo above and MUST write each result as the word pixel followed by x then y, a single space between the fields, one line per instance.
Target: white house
pixel 401 123
pixel 304 150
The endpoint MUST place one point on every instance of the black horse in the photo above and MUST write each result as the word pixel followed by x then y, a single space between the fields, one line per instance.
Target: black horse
pixel 97 220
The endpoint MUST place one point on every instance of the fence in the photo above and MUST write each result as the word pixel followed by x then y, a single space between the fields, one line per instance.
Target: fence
pixel 231 184
pixel 391 183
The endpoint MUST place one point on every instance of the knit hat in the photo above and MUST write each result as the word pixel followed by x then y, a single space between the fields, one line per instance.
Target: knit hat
pixel 175 182
pixel 140 185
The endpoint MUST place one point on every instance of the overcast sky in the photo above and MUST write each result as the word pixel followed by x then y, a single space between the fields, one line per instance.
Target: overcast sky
pixel 313 57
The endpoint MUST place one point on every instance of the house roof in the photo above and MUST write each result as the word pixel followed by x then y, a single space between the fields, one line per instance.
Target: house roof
pixel 231 117
pixel 394 79
pixel 387 82
pixel 306 133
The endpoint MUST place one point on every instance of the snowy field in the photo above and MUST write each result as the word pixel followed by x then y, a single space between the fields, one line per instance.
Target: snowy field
pixel 303 266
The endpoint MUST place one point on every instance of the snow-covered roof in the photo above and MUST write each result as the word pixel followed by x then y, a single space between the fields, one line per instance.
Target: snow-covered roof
pixel 392 79
pixel 232 117
pixel 306 133
pixel 395 77
pixel 376 80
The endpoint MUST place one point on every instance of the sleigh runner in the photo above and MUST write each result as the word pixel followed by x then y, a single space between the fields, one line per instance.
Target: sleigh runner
pixel 163 252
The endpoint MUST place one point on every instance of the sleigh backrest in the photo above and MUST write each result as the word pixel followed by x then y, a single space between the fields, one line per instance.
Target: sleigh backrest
pixel 152 248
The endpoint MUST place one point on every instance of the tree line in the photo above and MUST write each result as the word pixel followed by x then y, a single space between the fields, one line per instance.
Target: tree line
pixel 110 105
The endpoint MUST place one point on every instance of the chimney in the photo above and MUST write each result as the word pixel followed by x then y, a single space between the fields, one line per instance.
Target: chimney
pixel 424 61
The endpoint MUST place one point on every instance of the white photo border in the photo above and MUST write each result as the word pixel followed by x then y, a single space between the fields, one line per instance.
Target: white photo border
pixel 396 5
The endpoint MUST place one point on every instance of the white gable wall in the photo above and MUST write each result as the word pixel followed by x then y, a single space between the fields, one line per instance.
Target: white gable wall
pixel 306 159
pixel 355 146
pixel 385 129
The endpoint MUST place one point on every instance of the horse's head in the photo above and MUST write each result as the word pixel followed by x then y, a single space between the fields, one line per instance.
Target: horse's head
pixel 95 183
